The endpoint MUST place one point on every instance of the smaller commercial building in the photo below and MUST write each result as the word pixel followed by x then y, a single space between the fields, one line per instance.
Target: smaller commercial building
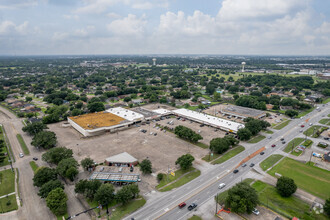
pixel 121 160
pixel 242 112
pixel 115 177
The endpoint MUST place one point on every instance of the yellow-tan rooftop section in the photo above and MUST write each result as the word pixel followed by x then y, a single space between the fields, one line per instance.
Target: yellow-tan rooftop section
pixel 97 120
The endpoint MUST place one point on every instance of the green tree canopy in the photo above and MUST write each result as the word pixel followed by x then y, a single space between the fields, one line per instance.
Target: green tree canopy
pixel 185 161
pixel 44 175
pixel 48 187
pixel 105 194
pixel 242 198
pixel 95 107
pixel 286 186
pixel 244 134
pixel 56 201
pixel 34 128
pixel 87 187
pixel 56 154
pixel 44 139
pixel 64 165
pixel 146 166
pixel 326 207
pixel 87 163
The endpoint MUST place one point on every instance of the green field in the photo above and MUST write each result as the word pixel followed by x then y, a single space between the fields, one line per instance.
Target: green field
pixel 185 179
pixel 256 139
pixel 282 125
pixel 289 207
pixel 270 161
pixel 221 197
pixel 311 130
pixel 268 132
pixel 7 207
pixel 209 158
pixel 128 208
pixel 309 178
pixel 292 144
pixel 325 121
pixel 301 114
pixel 169 178
pixel 7 182
pixel 229 155
pixel 195 217
pixel 23 145
pixel 307 144
pixel 326 101
pixel 34 166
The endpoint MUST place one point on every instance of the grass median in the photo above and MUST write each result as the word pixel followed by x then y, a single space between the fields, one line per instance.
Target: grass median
pixel 325 121
pixel 169 178
pixel 185 179
pixel 34 166
pixel 270 161
pixel 128 208
pixel 312 179
pixel 23 145
pixel 292 144
pixel 289 207
pixel 229 155
pixel 256 139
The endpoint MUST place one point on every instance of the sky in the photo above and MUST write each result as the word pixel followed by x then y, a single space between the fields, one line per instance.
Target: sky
pixel 232 27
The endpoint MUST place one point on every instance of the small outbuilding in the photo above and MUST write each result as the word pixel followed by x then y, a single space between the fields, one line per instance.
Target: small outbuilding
pixel 121 160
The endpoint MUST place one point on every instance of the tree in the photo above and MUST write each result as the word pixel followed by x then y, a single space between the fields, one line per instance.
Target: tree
pixel 146 166
pixel 185 161
pixel 71 173
pixel 242 198
pixel 87 163
pixel 48 187
pixel 28 99
pixel 44 139
pixel 34 128
pixel 160 176
pixel 219 145
pixel 216 96
pixel 123 195
pixel 326 206
pixel 291 113
pixel 286 186
pixel 56 201
pixel 244 134
pixel 187 133
pixel 56 154
pixel 64 165
pixel 210 88
pixel 43 175
pixel 105 194
pixel 95 107
pixel 87 187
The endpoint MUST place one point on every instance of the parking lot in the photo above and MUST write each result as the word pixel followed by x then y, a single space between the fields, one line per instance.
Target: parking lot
pixel 162 149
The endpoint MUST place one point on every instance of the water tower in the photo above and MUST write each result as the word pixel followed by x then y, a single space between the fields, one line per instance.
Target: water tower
pixel 243 64
pixel 154 61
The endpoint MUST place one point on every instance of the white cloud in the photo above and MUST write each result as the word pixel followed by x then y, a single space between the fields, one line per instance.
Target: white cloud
pixel 142 5
pixel 128 26
pixel 74 17
pixel 59 36
pixel 96 6
pixel 9 27
pixel 15 4
pixel 84 32
pixel 113 15
pixel 240 9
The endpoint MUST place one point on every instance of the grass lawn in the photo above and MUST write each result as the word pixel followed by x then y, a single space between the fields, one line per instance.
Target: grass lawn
pixel 34 166
pixel 7 183
pixel 60 217
pixel 309 131
pixel 185 179
pixel 222 196
pixel 209 158
pixel 128 208
pixel 325 121
pixel 270 161
pixel 3 150
pixel 268 132
pixel 301 114
pixel 295 142
pixel 309 178
pixel 326 101
pixel 195 217
pixel 229 154
pixel 289 207
pixel 202 145
pixel 171 178
pixel 307 144
pixel 282 125
pixel 256 139
pixel 5 207
pixel 23 145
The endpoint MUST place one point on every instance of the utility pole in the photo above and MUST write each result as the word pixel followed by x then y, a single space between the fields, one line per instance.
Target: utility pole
pixel 310 158
pixel 292 145
pixel 216 203
pixel 168 172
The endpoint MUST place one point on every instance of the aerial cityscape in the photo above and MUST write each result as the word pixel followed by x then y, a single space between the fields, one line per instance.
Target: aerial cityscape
pixel 164 109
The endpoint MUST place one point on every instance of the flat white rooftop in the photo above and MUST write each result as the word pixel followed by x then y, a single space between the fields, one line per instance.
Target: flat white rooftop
pixel 125 113
pixel 162 111
pixel 208 119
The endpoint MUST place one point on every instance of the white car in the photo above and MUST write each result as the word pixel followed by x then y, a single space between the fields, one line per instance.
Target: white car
pixel 21 155
pixel 221 185
pixel 256 211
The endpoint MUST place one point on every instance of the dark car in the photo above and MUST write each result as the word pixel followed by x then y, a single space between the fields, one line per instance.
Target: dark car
pixel 244 165
pixel 283 142
pixel 252 165
pixel 262 153
pixel 35 158
pixel 273 145
pixel 182 204
pixel 282 139
pixel 192 206
pixel 235 171
pixel 326 138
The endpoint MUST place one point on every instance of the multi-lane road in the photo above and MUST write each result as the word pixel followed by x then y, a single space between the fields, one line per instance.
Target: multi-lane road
pixel 205 187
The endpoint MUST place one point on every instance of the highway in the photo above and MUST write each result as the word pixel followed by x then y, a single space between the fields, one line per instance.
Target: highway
pixel 205 187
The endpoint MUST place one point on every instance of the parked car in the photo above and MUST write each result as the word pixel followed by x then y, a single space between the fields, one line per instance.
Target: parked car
pixel 326 138
pixel 21 155
pixel 155 134
pixel 35 158
pixel 252 165
pixel 256 211
pixel 235 171
pixel 192 206
pixel 182 204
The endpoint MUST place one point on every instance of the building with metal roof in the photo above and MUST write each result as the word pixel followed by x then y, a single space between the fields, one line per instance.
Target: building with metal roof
pixel 122 159
pixel 242 112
